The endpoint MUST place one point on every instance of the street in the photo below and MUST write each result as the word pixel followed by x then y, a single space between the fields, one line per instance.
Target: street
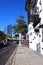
pixel 6 52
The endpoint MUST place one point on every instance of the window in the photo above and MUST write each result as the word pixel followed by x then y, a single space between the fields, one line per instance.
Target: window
pixel 30 28
pixel 31 33
pixel 42 48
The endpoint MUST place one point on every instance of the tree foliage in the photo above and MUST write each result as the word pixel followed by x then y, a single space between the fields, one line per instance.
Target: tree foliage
pixel 21 26
pixel 2 36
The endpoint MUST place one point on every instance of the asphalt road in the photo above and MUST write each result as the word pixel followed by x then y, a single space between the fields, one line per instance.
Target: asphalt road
pixel 6 52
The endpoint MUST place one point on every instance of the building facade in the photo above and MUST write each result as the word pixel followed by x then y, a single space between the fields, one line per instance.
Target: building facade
pixel 35 24
pixel 9 29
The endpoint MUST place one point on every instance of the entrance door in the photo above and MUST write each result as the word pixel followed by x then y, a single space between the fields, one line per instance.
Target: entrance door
pixel 38 48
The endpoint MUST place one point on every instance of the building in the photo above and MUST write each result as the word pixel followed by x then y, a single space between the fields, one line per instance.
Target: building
pixel 35 24
pixel 9 29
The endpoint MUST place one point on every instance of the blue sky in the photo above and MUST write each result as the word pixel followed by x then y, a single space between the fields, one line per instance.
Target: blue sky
pixel 10 11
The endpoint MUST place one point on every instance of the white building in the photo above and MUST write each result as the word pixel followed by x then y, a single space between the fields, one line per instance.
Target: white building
pixel 35 27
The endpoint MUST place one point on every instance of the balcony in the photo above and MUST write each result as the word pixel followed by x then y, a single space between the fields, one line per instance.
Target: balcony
pixel 36 20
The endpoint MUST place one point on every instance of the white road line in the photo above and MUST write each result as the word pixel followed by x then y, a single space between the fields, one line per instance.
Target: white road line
pixel 3 52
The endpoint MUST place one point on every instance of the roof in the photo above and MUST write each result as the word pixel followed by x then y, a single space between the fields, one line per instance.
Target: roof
pixel 30 3
pixel 27 4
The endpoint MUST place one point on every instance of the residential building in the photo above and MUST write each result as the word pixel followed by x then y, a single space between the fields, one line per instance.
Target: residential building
pixel 35 24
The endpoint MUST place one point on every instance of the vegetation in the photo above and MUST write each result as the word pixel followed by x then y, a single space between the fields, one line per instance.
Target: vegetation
pixel 2 36
pixel 21 26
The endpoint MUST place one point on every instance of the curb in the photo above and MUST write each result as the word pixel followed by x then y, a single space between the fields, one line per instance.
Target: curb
pixel 15 55
pixel 11 60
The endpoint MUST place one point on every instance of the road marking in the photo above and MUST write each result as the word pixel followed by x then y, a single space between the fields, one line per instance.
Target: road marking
pixel 3 52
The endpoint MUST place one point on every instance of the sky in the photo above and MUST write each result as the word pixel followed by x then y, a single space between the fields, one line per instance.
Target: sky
pixel 10 10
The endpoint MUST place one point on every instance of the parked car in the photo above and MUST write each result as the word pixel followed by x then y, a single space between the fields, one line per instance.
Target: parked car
pixel 8 43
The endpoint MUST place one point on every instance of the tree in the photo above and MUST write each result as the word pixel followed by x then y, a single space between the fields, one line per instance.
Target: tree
pixel 21 26
pixel 2 36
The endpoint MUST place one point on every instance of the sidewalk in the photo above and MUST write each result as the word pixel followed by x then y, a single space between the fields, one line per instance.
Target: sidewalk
pixel 26 56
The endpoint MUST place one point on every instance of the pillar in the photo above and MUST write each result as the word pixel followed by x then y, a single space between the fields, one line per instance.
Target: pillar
pixel 20 39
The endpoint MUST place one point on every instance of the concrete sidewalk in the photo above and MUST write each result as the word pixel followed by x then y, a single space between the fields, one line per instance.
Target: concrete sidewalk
pixel 26 56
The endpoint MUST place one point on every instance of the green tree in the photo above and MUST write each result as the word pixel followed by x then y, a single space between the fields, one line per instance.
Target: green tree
pixel 2 36
pixel 21 26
